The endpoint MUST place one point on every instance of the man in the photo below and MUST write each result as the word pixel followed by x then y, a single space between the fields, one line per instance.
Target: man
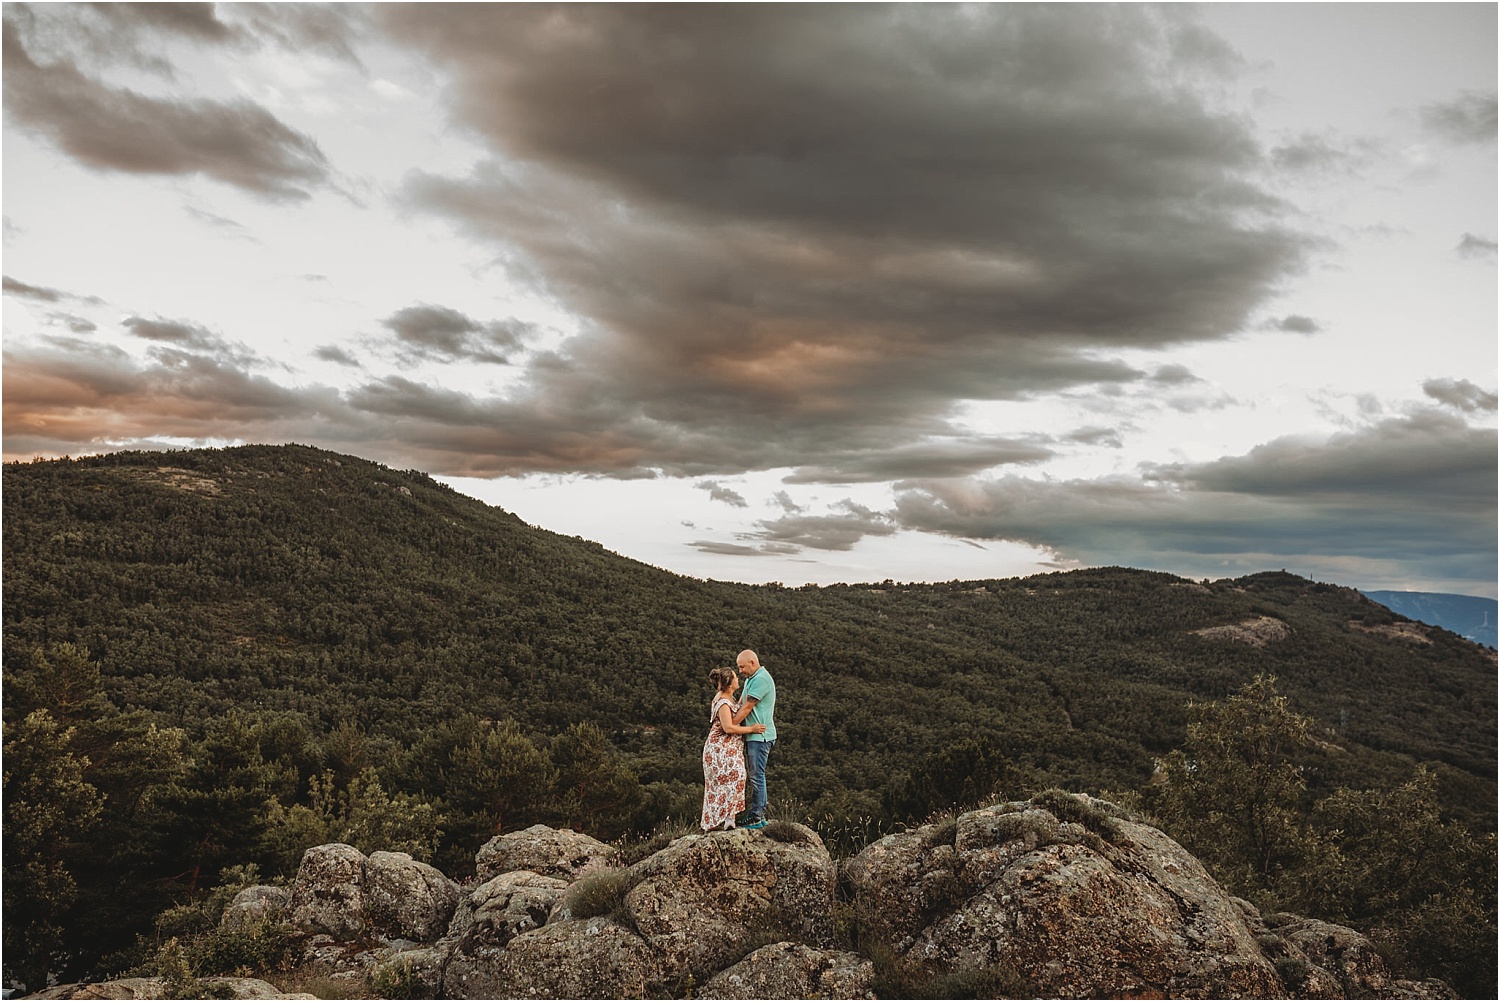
pixel 758 707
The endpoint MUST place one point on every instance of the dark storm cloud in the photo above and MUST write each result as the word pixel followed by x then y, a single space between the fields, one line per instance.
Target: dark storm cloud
pixel 833 223
pixel 1472 246
pixel 1469 118
pixel 718 492
pixel 117 129
pixel 1417 489
pixel 441 334
pixel 1460 393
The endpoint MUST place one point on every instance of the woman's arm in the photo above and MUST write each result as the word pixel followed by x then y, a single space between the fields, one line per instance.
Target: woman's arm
pixel 730 727
pixel 744 712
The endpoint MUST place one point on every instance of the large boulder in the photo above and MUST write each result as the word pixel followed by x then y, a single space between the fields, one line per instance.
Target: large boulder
pixel 500 909
pixel 702 900
pixel 549 852
pixel 793 971
pixel 407 899
pixel 1072 898
pixel 256 904
pixel 158 988
pixel 328 894
pixel 583 958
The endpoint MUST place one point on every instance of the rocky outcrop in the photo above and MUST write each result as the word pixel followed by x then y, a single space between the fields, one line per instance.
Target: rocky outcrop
pixel 692 909
pixel 1076 901
pixel 1058 897
pixel 549 852
pixel 1257 632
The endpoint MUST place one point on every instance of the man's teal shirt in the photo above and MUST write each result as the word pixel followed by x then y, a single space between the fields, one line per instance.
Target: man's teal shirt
pixel 762 688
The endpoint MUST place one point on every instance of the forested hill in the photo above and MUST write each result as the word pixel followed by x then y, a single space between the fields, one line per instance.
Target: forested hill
pixel 221 657
pixel 293 579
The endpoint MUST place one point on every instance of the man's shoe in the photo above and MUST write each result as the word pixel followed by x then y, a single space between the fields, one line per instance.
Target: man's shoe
pixel 755 825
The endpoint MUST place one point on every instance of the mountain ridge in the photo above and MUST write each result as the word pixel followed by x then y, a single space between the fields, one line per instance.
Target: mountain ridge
pixel 262 568
pixel 1472 617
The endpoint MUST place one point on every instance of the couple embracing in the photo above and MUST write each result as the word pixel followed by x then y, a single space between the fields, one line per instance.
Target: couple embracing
pixel 743 733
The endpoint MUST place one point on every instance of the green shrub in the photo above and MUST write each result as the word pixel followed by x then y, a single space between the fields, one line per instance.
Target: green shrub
pixel 599 893
pixel 257 947
pixel 942 831
pixel 398 979
pixel 1091 814
pixel 785 832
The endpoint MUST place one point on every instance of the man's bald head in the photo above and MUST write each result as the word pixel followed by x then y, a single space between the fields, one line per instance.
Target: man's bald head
pixel 748 663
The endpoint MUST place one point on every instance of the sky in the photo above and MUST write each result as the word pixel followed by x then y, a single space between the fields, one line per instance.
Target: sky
pixel 796 293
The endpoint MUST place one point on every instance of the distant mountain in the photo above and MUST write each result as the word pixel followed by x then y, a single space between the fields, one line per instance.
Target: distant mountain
pixel 1469 616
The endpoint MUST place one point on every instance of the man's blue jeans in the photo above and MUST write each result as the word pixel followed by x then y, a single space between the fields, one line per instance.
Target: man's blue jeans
pixel 756 754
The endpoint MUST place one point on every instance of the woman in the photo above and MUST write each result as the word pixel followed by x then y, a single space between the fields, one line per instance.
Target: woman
pixel 724 754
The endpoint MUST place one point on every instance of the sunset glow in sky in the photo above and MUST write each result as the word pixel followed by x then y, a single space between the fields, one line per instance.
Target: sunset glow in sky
pixel 790 292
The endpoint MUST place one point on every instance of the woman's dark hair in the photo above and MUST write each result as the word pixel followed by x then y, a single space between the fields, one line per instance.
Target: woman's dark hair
pixel 721 677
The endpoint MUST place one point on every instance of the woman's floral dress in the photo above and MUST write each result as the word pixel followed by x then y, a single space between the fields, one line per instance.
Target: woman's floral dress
pixel 723 771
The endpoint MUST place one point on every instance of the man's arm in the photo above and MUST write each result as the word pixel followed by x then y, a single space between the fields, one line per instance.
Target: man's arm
pixel 744 712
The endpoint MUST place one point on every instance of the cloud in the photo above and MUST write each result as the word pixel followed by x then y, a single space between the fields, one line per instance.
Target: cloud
pixel 76 324
pixel 187 337
pixel 437 333
pixel 718 492
pixel 1323 153
pixel 15 287
pixel 94 397
pixel 941 458
pixel 729 549
pixel 784 499
pixel 796 531
pixel 1293 323
pixel 337 355
pixel 220 223
pixel 1174 374
pixel 1467 119
pixel 1108 437
pixel 238 142
pixel 1416 490
pixel 1475 247
pixel 806 235
pixel 839 531
pixel 1460 393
